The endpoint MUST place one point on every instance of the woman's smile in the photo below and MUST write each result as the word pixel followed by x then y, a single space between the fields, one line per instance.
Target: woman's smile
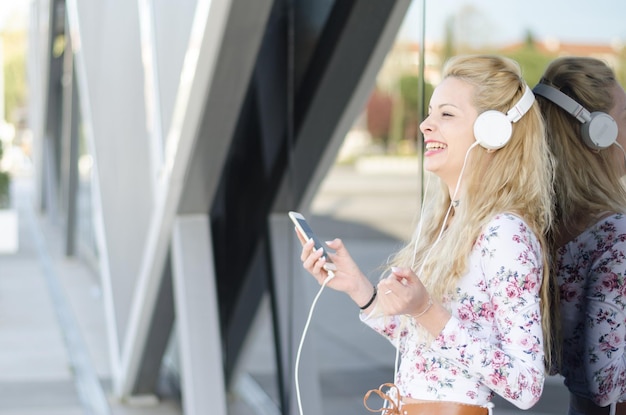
pixel 434 147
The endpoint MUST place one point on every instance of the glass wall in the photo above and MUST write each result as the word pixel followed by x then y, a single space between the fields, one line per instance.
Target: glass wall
pixel 385 138
pixel 375 183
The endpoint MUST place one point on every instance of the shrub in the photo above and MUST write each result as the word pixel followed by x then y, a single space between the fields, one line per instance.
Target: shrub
pixel 5 186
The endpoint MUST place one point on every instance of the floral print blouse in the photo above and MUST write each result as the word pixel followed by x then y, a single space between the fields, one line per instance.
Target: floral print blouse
pixel 591 272
pixel 493 341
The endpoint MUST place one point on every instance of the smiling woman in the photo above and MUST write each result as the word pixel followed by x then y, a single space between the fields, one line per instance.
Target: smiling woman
pixel 466 303
pixel 174 103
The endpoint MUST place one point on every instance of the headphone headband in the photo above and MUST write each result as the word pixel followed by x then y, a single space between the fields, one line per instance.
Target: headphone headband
pixel 522 106
pixel 562 100
pixel 598 130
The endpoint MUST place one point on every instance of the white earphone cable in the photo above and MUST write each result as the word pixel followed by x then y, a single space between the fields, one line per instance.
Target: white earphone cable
pixel 443 226
pixel 445 219
pixel 331 275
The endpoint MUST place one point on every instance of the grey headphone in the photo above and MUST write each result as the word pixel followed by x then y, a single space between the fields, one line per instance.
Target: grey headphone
pixel 598 130
pixel 492 129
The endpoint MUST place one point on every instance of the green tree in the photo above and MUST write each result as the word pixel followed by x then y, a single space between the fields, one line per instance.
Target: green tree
pixel 529 40
pixel 448 46
pixel 15 82
pixel 620 70
pixel 409 108
pixel 5 186
pixel 409 91
pixel 409 86
pixel 532 61
pixel 14 86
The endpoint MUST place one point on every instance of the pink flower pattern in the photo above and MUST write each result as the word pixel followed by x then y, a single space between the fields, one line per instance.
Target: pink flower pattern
pixel 591 272
pixel 493 343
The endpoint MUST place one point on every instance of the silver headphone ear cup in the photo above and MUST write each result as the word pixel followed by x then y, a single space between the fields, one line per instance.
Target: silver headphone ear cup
pixel 600 131
pixel 492 130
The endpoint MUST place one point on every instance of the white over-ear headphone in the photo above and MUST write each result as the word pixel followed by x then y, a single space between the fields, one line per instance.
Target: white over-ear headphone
pixel 598 130
pixel 492 129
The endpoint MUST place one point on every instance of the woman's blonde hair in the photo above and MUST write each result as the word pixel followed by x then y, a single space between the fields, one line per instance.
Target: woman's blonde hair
pixel 585 184
pixel 516 179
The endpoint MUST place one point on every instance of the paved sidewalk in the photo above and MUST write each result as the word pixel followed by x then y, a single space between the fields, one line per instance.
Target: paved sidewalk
pixel 54 356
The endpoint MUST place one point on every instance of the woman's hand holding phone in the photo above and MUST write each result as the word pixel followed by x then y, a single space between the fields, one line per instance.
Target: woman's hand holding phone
pixel 317 260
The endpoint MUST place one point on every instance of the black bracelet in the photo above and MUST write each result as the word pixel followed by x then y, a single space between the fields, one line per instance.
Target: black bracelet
pixel 369 303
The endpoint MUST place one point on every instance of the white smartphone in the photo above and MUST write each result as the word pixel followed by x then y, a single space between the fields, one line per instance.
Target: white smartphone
pixel 305 229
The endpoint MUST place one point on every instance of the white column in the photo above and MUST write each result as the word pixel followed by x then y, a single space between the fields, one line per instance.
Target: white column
pixel 196 305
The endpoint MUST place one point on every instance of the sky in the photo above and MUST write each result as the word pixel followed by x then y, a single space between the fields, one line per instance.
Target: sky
pixel 9 9
pixel 599 21
pixel 502 21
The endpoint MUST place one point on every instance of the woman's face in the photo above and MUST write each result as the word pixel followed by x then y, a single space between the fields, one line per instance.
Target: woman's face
pixel 618 112
pixel 449 129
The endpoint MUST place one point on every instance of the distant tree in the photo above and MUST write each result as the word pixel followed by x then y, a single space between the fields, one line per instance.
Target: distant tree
pixel 473 29
pixel 378 112
pixel 620 70
pixel 409 87
pixel 409 91
pixel 529 40
pixel 15 83
pixel 5 185
pixel 14 86
pixel 532 61
pixel 449 42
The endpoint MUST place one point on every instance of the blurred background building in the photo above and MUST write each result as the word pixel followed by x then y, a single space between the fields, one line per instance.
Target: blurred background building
pixel 162 144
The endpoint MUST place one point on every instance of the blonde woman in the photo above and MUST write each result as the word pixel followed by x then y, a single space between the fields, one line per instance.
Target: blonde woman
pixel 585 112
pixel 466 301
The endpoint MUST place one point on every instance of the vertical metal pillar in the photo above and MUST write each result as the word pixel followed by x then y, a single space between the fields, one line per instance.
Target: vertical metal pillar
pixel 69 149
pixel 198 322
pixel 292 299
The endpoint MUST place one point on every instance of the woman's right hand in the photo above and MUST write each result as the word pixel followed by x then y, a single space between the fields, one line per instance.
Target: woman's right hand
pixel 348 277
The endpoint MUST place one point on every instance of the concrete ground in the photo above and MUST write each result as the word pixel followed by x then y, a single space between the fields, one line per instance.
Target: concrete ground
pixel 53 347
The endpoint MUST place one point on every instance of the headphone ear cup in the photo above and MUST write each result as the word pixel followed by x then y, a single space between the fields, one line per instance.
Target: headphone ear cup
pixel 492 129
pixel 600 131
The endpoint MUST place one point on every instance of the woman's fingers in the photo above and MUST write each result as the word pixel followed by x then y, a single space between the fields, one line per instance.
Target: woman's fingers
pixel 393 286
pixel 401 293
pixel 405 276
pixel 302 238
pixel 307 248
pixel 312 259
pixel 337 246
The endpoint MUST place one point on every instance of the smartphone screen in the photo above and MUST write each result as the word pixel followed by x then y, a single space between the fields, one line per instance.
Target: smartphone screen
pixel 305 229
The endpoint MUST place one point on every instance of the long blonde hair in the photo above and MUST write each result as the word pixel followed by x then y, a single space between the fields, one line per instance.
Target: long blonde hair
pixel 515 179
pixel 585 185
